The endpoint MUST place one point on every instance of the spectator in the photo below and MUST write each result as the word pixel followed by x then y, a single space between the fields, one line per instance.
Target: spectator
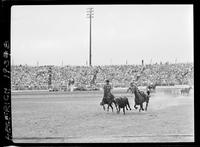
pixel 30 77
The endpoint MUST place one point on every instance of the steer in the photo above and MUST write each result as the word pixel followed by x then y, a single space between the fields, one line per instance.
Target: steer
pixel 122 102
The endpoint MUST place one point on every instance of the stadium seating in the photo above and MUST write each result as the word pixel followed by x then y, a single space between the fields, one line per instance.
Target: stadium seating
pixel 36 77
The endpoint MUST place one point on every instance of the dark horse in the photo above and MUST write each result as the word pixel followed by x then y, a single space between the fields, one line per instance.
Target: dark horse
pixel 140 97
pixel 108 100
pixel 122 102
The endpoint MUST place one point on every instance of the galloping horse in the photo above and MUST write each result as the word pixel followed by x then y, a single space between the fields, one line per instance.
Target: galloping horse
pixel 140 97
pixel 108 101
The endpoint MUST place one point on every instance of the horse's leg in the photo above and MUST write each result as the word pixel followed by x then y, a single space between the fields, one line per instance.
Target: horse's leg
pixel 115 105
pixel 124 110
pixel 129 105
pixel 146 105
pixel 111 107
pixel 104 108
pixel 108 108
pixel 141 107
pixel 119 110
pixel 126 106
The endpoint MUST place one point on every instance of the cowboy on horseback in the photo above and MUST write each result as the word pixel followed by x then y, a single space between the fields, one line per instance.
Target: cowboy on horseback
pixel 132 84
pixel 107 91
pixel 140 96
pixel 108 97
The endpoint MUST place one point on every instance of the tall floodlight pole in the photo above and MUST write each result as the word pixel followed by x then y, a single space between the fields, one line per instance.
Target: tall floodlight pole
pixel 90 15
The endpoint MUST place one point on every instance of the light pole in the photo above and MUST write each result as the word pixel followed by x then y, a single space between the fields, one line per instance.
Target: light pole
pixel 90 15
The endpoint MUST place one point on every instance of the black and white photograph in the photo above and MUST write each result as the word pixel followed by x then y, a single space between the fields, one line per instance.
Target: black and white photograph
pixel 102 73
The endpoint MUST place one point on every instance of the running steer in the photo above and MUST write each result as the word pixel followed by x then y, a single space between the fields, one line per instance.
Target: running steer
pixel 122 102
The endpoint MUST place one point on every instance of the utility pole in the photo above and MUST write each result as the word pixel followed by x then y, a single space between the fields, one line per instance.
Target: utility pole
pixel 90 15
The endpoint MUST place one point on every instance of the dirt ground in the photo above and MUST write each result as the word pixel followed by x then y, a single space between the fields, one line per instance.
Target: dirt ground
pixel 64 117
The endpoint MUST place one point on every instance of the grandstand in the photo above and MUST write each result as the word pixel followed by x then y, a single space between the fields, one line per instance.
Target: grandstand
pixel 24 77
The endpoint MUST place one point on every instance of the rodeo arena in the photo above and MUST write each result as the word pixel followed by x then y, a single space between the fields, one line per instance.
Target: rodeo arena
pixel 112 103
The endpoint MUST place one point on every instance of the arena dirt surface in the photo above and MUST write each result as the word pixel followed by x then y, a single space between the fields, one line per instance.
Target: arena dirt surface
pixel 64 117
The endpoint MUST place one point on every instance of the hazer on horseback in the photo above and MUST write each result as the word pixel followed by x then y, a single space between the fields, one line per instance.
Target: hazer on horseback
pixel 108 97
pixel 140 97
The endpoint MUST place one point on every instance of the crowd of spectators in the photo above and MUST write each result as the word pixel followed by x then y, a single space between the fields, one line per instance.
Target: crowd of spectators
pixel 36 77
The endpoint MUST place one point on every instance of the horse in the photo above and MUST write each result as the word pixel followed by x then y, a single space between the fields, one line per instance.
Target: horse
pixel 122 102
pixel 186 90
pixel 108 101
pixel 140 97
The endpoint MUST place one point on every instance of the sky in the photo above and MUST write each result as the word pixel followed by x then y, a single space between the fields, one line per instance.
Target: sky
pixel 59 34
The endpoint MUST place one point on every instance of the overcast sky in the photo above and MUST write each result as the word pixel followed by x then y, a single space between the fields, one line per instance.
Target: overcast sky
pixel 52 35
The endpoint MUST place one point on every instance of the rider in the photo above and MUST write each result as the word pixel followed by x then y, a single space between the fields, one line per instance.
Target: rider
pixel 131 86
pixel 107 91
